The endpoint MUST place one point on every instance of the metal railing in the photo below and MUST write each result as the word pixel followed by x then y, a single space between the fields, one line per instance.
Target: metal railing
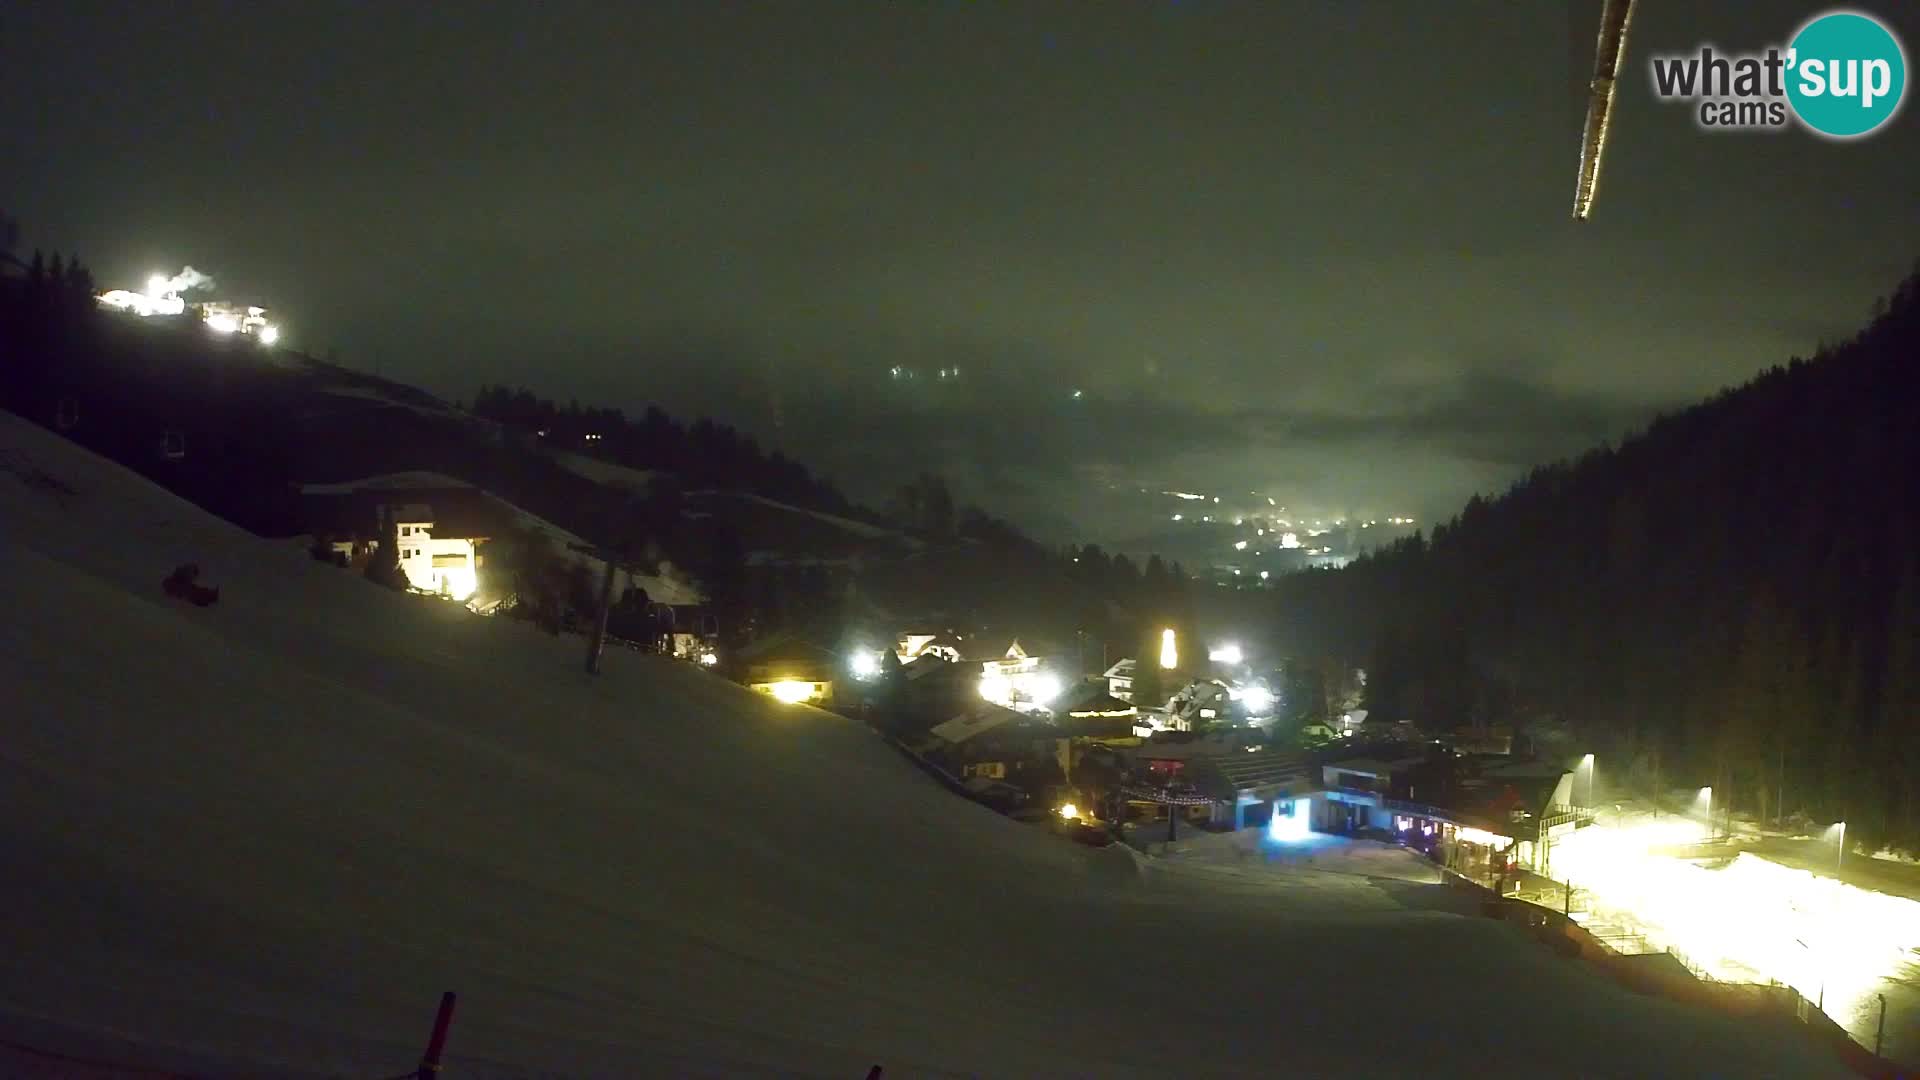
pixel 1561 813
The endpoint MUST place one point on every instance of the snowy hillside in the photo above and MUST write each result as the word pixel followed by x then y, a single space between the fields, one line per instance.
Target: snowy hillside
pixel 845 524
pixel 261 838
pixel 606 473
pixel 391 400
pixel 400 481
pixel 774 531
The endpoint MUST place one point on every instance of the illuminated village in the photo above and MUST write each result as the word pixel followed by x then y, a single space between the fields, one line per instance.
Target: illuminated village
pixel 931 540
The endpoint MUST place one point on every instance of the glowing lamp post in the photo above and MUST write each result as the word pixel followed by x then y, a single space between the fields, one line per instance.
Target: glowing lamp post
pixel 1169 654
pixel 1840 856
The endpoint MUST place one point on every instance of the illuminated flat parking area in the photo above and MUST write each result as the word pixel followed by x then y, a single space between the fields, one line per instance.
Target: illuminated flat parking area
pixel 1740 917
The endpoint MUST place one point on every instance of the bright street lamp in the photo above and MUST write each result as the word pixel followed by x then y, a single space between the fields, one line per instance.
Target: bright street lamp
pixel 1043 688
pixel 1841 855
pixel 1169 655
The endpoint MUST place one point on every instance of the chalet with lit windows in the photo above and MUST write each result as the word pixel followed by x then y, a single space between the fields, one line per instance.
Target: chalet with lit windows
pixel 991 742
pixel 791 669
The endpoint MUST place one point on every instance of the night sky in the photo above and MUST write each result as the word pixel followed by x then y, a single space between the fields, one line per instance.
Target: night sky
pixel 1318 250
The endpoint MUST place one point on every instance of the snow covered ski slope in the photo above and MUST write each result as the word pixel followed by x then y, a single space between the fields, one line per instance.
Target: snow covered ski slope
pixel 260 838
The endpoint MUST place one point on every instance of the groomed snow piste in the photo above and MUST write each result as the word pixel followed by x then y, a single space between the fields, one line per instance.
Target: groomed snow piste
pixel 261 838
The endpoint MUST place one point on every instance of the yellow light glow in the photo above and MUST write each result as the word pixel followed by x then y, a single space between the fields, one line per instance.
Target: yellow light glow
pixel 996 688
pixel 461 581
pixel 791 691
pixel 1069 811
pixel 1481 836
pixel 269 335
pixel 1169 654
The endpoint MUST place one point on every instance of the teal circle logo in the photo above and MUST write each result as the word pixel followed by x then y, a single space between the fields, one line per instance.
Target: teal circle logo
pixel 1846 74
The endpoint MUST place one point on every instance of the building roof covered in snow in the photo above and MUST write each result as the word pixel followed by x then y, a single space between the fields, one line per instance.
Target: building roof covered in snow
pixel 975 722
pixel 1183 745
pixel 785 648
pixel 1375 767
pixel 1260 774
pixel 1092 699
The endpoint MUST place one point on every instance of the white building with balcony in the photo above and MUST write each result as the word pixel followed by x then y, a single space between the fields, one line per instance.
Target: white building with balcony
pixel 449 565
pixel 446 565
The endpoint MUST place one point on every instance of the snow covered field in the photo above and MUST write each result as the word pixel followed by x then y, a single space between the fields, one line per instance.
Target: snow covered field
pixel 618 477
pixel 261 838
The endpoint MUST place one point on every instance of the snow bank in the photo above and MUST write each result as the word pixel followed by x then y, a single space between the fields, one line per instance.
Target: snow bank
pixel 848 525
pixel 368 393
pixel 857 528
pixel 606 473
pixel 262 837
pixel 400 481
